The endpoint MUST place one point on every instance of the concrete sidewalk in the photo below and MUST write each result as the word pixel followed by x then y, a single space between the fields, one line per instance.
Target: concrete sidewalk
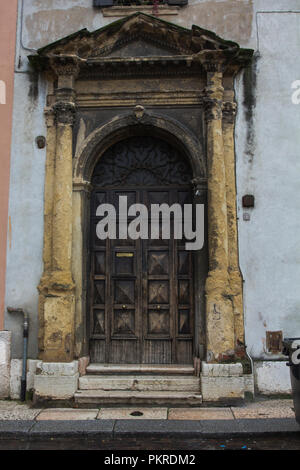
pixel 259 409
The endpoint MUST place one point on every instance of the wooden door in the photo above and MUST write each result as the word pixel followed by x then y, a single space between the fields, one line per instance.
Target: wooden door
pixel 141 291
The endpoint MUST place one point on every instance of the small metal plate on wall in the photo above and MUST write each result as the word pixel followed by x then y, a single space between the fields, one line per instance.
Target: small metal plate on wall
pixel 274 341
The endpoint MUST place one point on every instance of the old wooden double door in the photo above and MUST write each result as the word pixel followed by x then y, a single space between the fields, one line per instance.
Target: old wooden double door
pixel 141 291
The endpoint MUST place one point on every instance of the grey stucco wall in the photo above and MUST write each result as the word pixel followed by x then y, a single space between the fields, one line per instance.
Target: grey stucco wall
pixel 267 152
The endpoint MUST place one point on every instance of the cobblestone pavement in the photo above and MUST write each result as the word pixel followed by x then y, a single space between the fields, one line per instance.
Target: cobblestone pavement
pixel 259 409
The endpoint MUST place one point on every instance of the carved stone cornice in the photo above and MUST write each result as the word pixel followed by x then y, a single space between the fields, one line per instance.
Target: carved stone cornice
pixel 65 112
pixel 204 49
pixel 229 112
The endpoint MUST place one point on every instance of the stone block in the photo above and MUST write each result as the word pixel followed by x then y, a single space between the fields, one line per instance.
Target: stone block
pixel 221 370
pixel 222 388
pixel 31 371
pixel 15 376
pixel 83 362
pixel 272 377
pixel 66 414
pixel 249 384
pixel 5 348
pixel 57 369
pixel 55 387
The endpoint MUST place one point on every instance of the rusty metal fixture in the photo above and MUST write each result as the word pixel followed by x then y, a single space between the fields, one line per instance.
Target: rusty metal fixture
pixel 248 200
pixel 40 142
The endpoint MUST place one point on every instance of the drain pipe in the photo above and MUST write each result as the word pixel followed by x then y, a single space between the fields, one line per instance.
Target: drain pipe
pixel 25 343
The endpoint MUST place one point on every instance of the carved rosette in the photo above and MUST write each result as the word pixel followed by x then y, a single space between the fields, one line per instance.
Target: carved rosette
pixel 229 112
pixel 65 112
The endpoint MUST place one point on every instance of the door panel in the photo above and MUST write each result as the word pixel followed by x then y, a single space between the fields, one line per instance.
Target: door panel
pixel 141 291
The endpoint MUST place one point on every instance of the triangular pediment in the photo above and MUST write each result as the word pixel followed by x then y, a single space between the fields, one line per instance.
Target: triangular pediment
pixel 125 41
pixel 135 35
pixel 141 47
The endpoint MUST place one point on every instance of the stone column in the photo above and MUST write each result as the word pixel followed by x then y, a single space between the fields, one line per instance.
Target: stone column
pixel 57 286
pixel 219 313
pixel 235 277
pixel 48 218
pixel 81 203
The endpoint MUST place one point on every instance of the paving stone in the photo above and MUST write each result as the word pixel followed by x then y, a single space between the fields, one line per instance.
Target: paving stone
pixel 265 409
pixel 125 413
pixel 200 413
pixel 19 412
pixel 66 414
pixel 7 405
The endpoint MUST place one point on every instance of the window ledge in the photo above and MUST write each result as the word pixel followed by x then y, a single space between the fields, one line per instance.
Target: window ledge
pixel 120 11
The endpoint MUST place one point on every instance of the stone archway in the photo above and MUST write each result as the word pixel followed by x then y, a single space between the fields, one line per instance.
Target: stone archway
pixel 89 152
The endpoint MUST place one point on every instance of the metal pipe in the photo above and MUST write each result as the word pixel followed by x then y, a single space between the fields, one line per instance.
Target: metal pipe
pixel 25 344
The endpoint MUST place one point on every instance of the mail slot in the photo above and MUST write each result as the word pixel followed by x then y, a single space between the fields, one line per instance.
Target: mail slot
pixel 124 255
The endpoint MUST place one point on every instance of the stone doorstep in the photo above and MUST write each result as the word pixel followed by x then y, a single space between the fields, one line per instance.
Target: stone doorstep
pixel 144 369
pixel 136 398
pixel 140 383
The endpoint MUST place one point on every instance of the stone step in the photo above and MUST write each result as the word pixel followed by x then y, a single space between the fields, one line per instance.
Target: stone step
pixel 140 383
pixel 128 398
pixel 140 369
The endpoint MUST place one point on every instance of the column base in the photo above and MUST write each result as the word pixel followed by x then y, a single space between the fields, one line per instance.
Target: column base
pixel 57 337
pixel 55 381
pixel 225 383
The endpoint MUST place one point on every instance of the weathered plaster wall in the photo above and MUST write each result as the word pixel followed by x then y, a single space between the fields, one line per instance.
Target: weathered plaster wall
pixel 267 143
pixel 268 167
pixel 24 250
pixel 8 20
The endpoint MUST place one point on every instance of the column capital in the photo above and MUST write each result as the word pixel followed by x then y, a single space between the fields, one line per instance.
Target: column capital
pixel 229 112
pixel 213 60
pixel 66 65
pixel 65 112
